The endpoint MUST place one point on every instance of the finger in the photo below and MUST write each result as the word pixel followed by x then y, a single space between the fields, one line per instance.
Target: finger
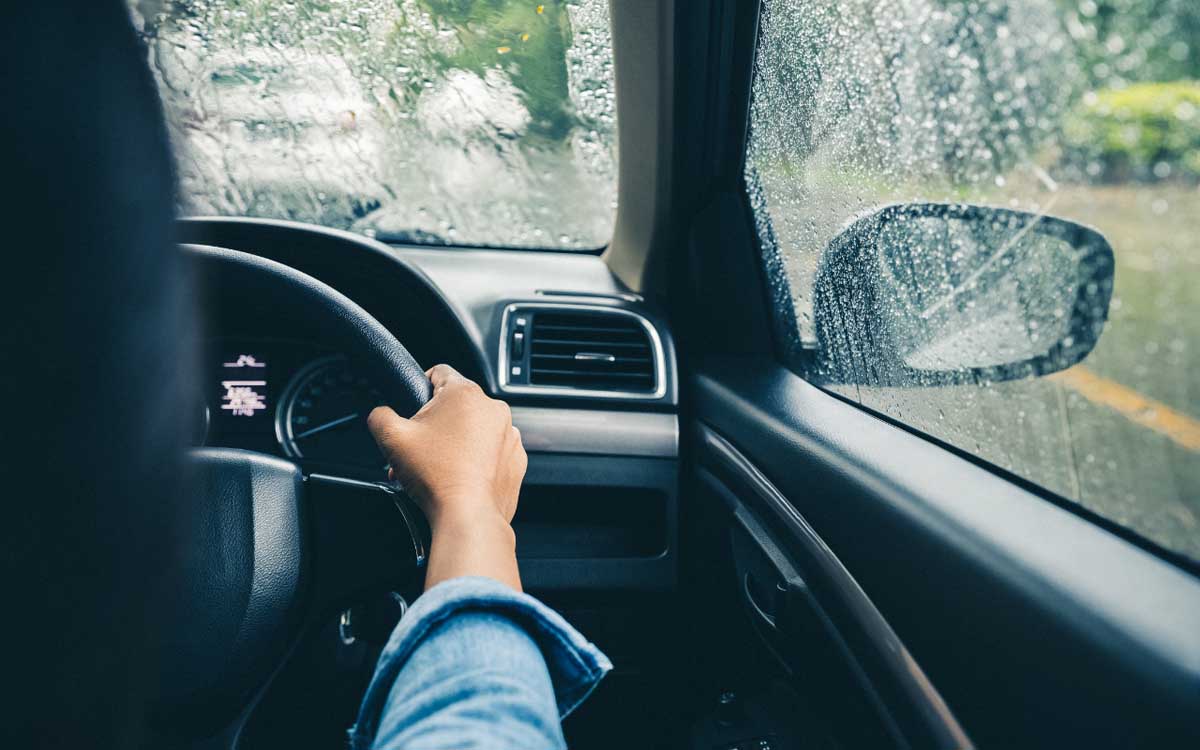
pixel 380 418
pixel 443 375
pixel 388 428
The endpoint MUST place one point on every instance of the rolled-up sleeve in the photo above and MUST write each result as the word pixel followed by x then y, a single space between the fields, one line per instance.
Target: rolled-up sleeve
pixel 475 664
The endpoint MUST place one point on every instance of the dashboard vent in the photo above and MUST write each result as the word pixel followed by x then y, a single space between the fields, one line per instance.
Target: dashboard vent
pixel 589 350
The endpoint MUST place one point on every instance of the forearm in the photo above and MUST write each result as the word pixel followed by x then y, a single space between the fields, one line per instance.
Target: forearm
pixel 475 664
pixel 482 544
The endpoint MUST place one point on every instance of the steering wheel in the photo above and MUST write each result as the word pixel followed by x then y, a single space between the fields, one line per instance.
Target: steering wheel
pixel 273 552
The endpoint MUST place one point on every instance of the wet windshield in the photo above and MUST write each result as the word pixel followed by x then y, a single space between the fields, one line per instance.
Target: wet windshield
pixel 474 122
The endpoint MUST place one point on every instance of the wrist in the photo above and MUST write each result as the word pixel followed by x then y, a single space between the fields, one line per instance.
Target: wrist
pixel 472 541
pixel 470 519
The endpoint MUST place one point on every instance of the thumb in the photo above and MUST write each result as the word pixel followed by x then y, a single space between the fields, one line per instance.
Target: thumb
pixel 390 430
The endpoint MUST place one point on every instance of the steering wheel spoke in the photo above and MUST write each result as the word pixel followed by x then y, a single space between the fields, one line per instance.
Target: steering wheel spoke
pixel 367 537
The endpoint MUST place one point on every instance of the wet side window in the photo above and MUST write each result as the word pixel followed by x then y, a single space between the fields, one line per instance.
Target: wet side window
pixel 982 219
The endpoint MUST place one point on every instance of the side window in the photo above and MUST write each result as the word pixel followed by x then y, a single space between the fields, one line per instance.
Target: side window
pixel 982 218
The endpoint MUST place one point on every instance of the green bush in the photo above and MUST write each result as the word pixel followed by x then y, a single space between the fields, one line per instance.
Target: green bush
pixel 1146 131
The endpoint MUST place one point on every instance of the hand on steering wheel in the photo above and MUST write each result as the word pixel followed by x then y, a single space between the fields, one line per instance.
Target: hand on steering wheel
pixel 461 459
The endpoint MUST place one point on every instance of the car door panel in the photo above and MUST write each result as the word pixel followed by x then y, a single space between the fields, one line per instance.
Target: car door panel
pixel 1038 627
pixel 816 620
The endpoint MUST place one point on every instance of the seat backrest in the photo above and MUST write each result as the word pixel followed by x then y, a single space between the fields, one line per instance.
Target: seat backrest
pixel 95 347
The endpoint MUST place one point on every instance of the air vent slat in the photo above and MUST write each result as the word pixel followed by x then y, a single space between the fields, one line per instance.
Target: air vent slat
pixel 593 350
pixel 617 358
pixel 589 368
pixel 585 329
pixel 550 341
pixel 549 371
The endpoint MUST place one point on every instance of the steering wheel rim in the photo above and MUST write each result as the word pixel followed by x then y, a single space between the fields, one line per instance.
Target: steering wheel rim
pixel 273 552
pixel 326 312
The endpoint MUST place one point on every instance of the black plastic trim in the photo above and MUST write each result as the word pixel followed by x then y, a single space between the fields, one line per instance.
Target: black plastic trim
pixel 1039 628
pixel 626 574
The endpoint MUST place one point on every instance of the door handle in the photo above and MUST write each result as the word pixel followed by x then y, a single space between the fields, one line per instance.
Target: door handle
pixel 763 601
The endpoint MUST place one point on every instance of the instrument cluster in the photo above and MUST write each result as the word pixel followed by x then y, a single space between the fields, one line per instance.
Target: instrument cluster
pixel 292 399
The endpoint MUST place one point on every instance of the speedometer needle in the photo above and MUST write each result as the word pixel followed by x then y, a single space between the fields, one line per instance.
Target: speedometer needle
pixel 326 426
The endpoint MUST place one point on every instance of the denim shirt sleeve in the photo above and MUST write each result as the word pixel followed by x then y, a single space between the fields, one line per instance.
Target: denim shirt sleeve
pixel 475 664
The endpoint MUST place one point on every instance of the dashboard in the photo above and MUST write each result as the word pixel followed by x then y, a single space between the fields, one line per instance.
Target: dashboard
pixel 587 367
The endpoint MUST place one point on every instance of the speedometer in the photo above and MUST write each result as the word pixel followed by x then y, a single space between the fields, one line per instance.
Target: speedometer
pixel 322 416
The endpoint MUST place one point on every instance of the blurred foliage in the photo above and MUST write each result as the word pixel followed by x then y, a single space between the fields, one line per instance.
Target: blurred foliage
pixel 1131 122
pixel 942 91
pixel 962 92
pixel 1127 41
pixel 1144 131
pixel 527 40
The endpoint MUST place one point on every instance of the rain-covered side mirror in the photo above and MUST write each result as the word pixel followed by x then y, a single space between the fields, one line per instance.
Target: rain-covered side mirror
pixel 934 293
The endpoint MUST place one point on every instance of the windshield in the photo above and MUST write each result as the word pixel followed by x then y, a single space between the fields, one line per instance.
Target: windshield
pixel 467 122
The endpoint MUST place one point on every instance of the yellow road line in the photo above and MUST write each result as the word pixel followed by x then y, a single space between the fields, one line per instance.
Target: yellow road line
pixel 1155 415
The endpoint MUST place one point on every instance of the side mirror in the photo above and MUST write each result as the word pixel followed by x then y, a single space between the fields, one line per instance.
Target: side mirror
pixel 935 293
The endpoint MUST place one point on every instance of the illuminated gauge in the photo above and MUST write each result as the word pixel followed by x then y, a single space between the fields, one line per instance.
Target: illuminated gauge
pixel 322 416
